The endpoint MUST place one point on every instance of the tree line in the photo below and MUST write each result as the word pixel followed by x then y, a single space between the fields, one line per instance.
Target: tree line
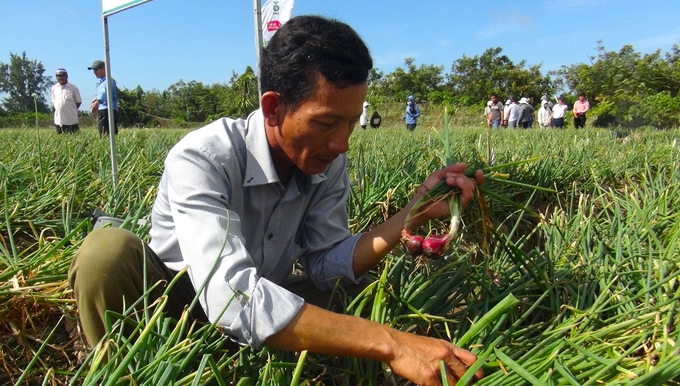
pixel 625 88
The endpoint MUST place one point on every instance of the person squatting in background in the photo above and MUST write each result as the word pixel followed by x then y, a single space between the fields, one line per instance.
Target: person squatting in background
pixel 65 103
pixel 412 113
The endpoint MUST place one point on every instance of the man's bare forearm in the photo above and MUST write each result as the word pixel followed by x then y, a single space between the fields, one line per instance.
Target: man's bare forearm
pixel 414 357
pixel 324 332
pixel 378 242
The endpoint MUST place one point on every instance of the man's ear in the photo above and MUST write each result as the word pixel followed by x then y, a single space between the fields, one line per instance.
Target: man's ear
pixel 273 108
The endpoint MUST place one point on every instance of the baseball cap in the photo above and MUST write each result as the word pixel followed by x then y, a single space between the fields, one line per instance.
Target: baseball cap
pixel 96 65
pixel 60 71
pixel 508 102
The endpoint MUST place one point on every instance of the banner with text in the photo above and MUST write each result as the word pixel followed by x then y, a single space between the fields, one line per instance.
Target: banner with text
pixel 109 7
pixel 274 14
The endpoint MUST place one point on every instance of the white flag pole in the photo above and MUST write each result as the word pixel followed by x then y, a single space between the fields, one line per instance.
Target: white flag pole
pixel 257 10
pixel 109 104
pixel 109 7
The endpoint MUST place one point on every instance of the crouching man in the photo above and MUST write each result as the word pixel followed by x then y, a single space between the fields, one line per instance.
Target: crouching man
pixel 241 200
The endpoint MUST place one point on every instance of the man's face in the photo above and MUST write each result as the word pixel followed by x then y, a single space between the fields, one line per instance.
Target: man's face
pixel 318 131
pixel 581 98
pixel 62 79
pixel 494 99
pixel 100 72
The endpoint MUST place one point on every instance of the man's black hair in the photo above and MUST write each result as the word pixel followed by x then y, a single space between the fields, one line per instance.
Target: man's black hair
pixel 306 47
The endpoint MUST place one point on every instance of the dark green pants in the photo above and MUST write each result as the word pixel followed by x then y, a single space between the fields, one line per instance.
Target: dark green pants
pixel 107 273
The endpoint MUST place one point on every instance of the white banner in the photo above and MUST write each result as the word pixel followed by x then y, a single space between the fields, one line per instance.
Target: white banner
pixel 109 7
pixel 274 14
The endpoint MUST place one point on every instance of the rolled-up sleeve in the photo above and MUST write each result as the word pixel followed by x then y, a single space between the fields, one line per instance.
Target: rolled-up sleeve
pixel 249 307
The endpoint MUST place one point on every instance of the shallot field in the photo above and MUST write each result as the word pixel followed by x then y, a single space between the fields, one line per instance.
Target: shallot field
pixel 566 273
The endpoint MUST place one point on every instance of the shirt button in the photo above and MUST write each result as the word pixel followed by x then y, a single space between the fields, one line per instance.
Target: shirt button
pixel 269 236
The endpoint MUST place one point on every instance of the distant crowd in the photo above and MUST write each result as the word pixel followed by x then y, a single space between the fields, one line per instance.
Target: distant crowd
pixel 522 114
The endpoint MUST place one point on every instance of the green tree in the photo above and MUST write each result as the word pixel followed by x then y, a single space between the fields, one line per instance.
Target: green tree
pixel 627 88
pixel 189 102
pixel 377 89
pixel 242 96
pixel 473 79
pixel 419 81
pixel 130 107
pixel 21 78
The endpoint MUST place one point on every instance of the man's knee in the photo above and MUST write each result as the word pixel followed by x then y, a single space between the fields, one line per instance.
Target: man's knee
pixel 105 254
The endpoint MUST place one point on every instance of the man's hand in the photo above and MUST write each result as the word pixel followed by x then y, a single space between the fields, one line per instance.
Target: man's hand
pixel 94 107
pixel 417 359
pixel 411 356
pixel 454 176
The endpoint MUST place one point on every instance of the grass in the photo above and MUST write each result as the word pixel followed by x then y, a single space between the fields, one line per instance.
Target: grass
pixel 595 275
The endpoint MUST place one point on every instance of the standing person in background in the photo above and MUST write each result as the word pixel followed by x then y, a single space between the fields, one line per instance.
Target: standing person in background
pixel 487 111
pixel 558 113
pixel 544 98
pixel 513 115
pixel 581 107
pixel 65 103
pixel 100 105
pixel 526 113
pixel 544 115
pixel 506 113
pixel 412 113
pixel 495 116
pixel 363 119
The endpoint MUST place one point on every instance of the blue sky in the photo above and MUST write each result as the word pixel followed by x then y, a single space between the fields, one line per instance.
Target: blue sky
pixel 158 43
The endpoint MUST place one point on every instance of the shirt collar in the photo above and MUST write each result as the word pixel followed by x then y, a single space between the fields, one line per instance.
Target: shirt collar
pixel 260 168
